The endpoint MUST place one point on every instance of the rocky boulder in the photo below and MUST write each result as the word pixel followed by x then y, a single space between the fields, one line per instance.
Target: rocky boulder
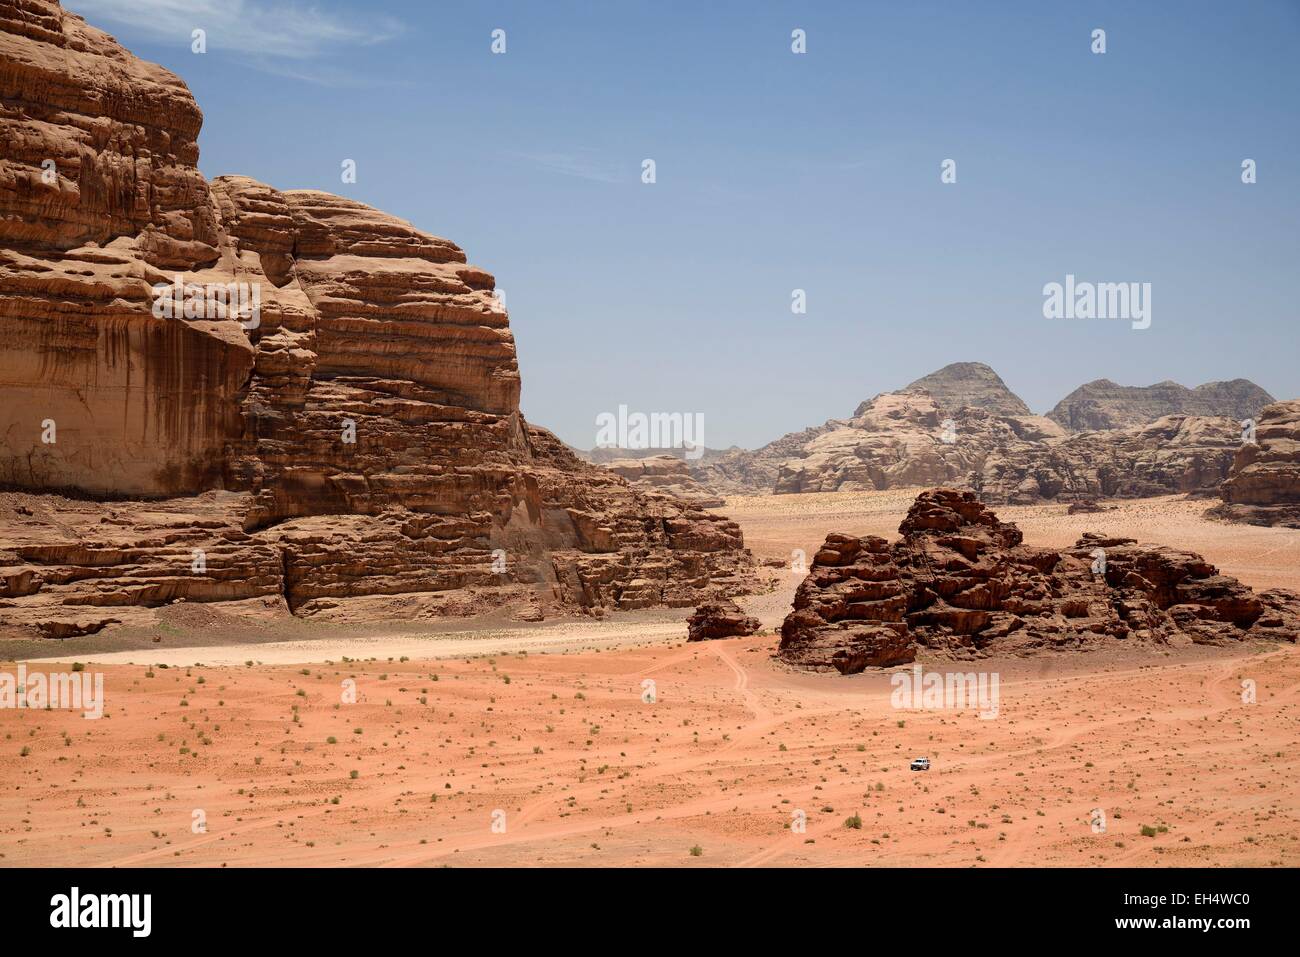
pixel 719 619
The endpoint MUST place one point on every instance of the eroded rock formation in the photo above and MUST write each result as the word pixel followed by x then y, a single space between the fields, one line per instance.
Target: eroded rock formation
pixel 962 583
pixel 719 619
pixel 354 448
pixel 939 429
pixel 1263 486
pixel 755 472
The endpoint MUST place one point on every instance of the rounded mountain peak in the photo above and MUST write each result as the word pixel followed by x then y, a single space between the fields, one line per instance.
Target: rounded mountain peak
pixel 971 384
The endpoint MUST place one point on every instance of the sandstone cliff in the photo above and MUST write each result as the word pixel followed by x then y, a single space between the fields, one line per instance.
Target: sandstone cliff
pixel 99 200
pixel 354 448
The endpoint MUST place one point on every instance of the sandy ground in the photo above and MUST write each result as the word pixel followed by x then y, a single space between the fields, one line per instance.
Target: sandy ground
pixel 584 771
pixel 480 750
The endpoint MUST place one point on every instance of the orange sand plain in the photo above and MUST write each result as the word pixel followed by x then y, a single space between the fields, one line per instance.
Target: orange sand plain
pixel 732 751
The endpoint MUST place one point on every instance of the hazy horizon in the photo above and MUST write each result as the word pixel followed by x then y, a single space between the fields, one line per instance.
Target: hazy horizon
pixel 779 171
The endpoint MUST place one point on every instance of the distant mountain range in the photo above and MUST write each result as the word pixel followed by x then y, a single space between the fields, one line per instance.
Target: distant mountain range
pixel 962 425
pixel 1104 405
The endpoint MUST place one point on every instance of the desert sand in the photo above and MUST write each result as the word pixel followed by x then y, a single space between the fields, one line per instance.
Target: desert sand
pixel 482 749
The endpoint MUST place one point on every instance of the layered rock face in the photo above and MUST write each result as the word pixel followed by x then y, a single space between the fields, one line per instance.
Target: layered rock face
pixel 669 474
pixel 99 200
pixel 1175 454
pixel 72 567
pixel 385 368
pixel 1263 486
pixel 351 448
pixel 961 583
pixel 1104 405
pixel 577 539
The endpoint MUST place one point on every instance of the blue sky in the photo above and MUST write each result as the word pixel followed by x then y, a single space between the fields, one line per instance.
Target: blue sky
pixel 779 171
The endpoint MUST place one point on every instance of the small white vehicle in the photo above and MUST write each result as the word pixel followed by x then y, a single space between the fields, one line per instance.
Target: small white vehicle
pixel 920 764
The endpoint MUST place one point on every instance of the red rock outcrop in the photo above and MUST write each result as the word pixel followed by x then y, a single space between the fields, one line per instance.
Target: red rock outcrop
pixel 961 583
pixel 1263 486
pixel 719 619
pixel 351 448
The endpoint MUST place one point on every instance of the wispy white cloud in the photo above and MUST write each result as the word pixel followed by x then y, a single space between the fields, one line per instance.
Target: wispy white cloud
pixel 261 30
pixel 584 164
pixel 326 74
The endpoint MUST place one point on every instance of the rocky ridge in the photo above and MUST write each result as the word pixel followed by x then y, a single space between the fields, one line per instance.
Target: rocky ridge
pixel 1102 404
